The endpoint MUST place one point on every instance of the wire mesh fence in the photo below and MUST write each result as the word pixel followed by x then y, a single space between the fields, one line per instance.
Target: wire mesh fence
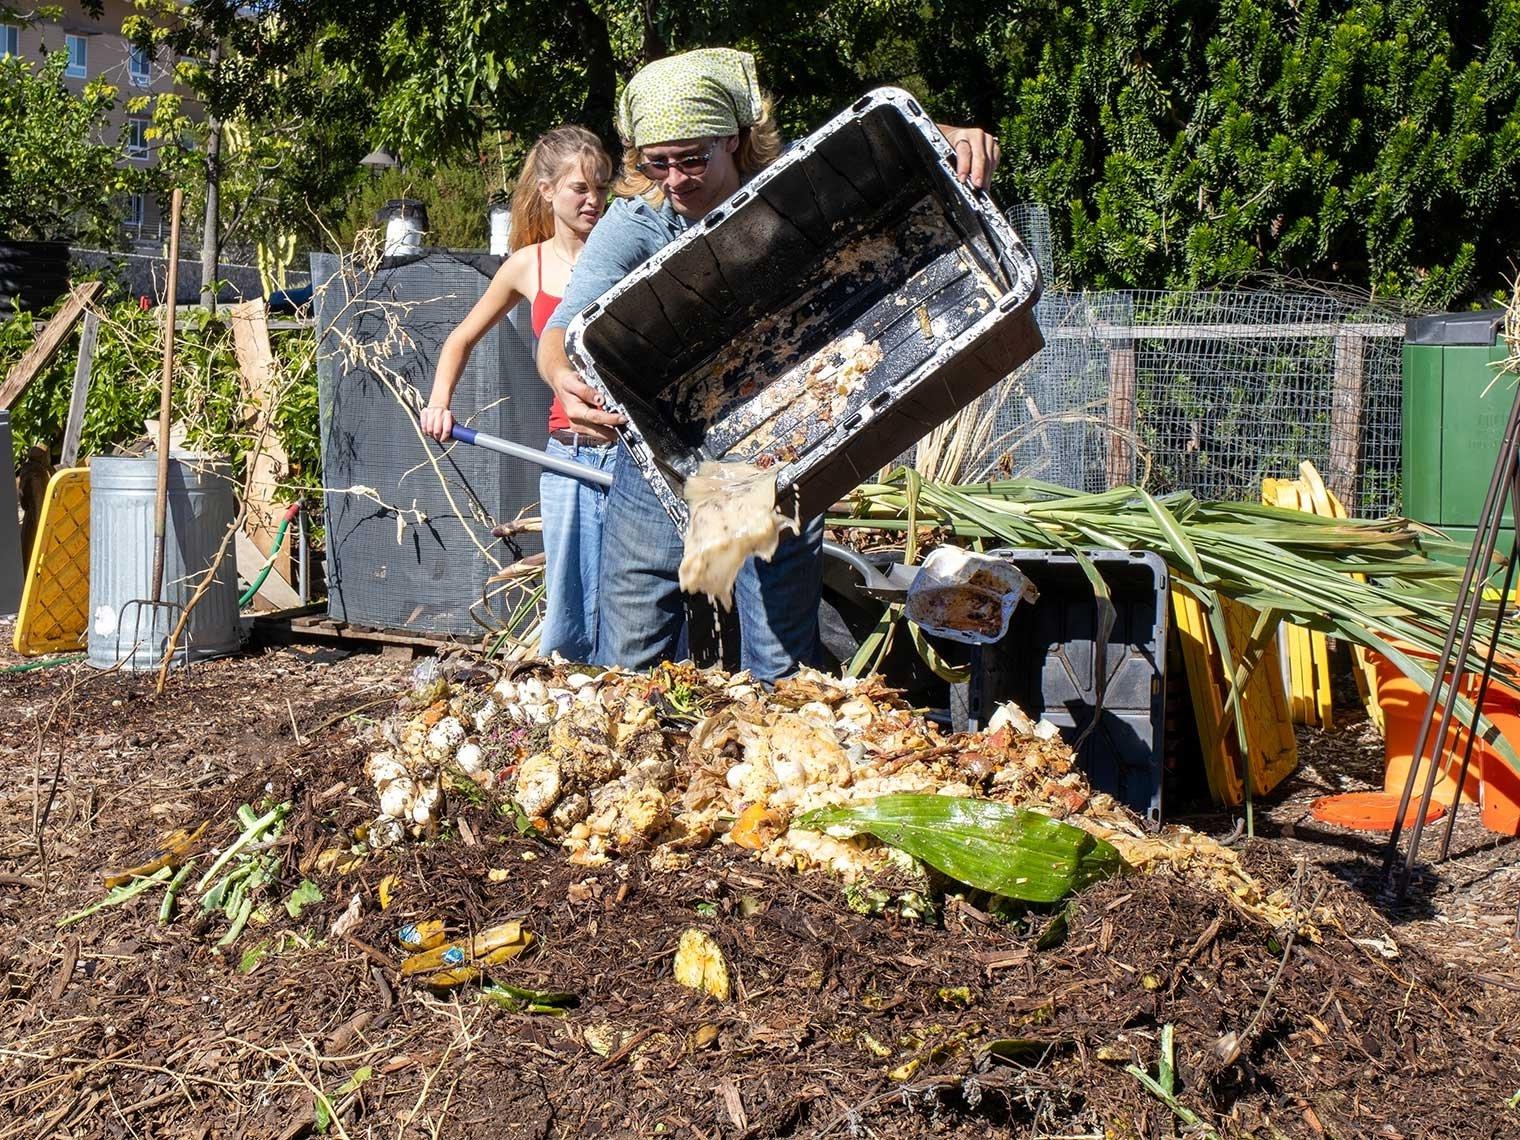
pixel 1208 392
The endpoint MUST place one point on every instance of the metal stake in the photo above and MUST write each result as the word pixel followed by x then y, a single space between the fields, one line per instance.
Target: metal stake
pixel 1464 618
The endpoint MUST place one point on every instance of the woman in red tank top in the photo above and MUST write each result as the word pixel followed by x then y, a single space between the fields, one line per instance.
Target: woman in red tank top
pixel 558 199
pixel 559 196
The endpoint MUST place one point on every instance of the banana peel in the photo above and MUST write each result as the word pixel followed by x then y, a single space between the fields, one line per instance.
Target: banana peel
pixel 426 935
pixel 455 963
pixel 333 860
pixel 174 848
pixel 459 975
pixel 699 964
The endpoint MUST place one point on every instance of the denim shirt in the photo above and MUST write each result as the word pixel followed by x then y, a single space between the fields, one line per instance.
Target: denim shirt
pixel 629 234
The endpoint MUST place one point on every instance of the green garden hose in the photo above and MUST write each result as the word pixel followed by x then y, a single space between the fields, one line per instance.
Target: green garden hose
pixel 279 538
pixel 46 663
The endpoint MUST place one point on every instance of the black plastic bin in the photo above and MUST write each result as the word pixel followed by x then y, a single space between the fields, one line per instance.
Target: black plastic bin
pixel 1047 664
pixel 752 336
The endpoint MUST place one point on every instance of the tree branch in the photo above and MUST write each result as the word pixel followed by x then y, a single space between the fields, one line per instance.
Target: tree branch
pixel 601 71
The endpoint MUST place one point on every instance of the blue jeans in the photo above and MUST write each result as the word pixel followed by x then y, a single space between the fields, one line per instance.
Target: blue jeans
pixel 572 512
pixel 643 612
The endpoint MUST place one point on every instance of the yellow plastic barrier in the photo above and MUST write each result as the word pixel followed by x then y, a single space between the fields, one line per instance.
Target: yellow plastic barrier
pixel 1306 652
pixel 55 601
pixel 1272 749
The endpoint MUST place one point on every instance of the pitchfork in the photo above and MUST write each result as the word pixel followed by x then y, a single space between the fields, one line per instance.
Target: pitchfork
pixel 154 613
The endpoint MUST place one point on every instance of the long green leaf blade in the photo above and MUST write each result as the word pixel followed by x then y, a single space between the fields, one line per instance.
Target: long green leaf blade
pixel 986 844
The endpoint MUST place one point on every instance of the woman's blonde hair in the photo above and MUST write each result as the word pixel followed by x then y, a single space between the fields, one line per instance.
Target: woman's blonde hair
pixel 759 146
pixel 556 154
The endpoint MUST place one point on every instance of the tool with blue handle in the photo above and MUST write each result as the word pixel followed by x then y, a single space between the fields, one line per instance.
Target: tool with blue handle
pixel 532 455
pixel 891 585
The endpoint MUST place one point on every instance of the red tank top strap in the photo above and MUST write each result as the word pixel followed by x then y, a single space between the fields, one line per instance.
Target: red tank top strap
pixel 539 249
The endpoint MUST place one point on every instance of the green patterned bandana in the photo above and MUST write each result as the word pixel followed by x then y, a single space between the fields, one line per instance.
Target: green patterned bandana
pixel 711 92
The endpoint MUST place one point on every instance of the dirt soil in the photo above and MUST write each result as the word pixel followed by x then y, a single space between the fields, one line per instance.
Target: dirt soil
pixel 1398 1022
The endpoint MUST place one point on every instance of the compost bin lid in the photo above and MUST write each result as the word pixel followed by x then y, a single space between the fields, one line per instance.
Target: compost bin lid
pixel 1455 328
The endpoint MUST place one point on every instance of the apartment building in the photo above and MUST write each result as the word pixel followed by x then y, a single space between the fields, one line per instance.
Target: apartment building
pixel 97 49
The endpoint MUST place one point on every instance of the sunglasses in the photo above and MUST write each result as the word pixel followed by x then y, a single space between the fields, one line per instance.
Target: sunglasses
pixel 658 169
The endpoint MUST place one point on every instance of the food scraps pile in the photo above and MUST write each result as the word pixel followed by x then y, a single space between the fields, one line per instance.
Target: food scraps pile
pixel 805 775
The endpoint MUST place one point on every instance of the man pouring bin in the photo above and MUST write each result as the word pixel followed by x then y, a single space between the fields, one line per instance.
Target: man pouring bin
pixel 695 128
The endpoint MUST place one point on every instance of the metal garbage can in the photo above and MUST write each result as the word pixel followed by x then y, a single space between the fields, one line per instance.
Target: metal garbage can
pixel 202 508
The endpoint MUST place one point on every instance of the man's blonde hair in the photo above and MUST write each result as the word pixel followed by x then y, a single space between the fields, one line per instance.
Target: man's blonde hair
pixel 759 146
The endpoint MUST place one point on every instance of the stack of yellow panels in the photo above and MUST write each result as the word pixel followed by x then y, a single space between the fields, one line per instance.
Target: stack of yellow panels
pixel 1306 654
pixel 1272 749
pixel 55 601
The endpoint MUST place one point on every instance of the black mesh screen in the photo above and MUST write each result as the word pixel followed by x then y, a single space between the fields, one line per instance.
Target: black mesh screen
pixel 405 557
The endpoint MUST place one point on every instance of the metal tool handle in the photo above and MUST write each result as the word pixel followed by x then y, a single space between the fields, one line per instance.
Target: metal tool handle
pixel 532 455
pixel 869 572
pixel 166 385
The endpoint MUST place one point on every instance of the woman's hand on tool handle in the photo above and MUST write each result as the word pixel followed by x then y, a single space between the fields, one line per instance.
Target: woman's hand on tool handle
pixel 438 422
pixel 582 402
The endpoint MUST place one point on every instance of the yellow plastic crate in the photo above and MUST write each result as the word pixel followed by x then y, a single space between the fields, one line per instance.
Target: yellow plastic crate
pixel 1272 749
pixel 55 600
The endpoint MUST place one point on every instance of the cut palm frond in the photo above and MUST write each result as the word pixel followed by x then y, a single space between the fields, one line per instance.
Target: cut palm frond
pixel 1368 581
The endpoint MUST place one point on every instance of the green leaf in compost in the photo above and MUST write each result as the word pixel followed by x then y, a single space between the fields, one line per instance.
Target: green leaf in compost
pixel 1055 931
pixel 302 897
pixel 518 1000
pixel 986 844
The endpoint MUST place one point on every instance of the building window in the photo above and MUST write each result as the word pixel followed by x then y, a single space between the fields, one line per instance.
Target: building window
pixel 79 56
pixel 134 209
pixel 137 138
pixel 140 66
pixel 10 40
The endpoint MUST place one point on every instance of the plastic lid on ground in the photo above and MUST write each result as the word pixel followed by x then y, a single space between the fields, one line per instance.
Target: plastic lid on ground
pixel 1369 811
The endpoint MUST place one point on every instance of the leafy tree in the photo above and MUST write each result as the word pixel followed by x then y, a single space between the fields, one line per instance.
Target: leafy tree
pixel 1375 141
pixel 1178 142
pixel 446 73
pixel 56 180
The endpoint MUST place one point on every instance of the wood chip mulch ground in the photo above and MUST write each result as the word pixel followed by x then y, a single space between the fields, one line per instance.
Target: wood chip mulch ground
pixel 1398 1022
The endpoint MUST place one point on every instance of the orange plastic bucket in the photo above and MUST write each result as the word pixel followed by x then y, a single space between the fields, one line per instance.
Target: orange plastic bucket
pixel 1491 782
pixel 1403 704
pixel 1499 793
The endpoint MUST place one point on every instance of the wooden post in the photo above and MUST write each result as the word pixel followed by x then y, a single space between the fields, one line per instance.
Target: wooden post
pixel 73 427
pixel 261 390
pixel 1121 412
pixel 1346 418
pixel 54 333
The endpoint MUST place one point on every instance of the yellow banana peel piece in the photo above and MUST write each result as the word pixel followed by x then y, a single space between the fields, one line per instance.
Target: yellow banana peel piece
pixel 174 848
pixel 487 948
pixel 699 964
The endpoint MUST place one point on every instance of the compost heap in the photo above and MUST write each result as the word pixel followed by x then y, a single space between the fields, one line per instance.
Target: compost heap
pixel 604 763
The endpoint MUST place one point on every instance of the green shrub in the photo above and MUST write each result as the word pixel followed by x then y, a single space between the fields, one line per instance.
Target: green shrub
pixel 124 390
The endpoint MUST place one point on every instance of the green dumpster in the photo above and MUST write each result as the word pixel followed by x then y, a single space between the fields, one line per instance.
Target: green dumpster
pixel 1456 403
